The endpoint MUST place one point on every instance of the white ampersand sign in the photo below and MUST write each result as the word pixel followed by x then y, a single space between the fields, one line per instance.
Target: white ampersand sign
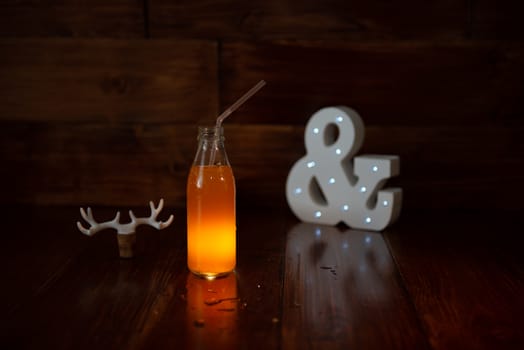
pixel 329 186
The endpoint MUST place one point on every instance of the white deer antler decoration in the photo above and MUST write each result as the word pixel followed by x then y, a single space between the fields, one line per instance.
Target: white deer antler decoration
pixel 126 232
pixel 123 229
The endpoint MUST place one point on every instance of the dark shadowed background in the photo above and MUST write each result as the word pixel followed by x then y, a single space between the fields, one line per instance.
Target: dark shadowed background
pixel 100 100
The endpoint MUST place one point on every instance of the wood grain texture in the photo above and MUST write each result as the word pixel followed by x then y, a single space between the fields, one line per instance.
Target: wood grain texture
pixel 98 298
pixel 437 279
pixel 150 301
pixel 273 19
pixel 35 260
pixel 410 83
pixel 445 167
pixel 72 18
pixel 107 80
pixel 497 20
pixel 464 272
pixel 342 290
pixel 133 164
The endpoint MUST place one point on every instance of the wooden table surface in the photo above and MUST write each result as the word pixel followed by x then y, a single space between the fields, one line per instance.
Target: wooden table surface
pixel 432 281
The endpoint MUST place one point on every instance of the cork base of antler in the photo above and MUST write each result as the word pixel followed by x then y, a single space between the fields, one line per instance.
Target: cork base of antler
pixel 126 245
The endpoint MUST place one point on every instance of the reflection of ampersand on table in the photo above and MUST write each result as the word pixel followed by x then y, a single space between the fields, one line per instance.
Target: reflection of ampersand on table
pixel 335 278
pixel 326 186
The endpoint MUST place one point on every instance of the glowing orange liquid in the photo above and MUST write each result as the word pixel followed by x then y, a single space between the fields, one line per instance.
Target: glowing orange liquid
pixel 211 222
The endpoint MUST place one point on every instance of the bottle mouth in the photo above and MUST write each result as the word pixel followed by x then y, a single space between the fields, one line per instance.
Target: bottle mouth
pixel 210 132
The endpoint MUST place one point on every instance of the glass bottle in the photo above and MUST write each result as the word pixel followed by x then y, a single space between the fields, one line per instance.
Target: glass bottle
pixel 211 217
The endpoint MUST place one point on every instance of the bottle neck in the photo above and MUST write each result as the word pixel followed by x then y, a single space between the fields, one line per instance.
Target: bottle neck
pixel 211 149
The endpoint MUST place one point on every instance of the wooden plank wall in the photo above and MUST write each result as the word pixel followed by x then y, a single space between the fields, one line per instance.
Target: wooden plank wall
pixel 99 100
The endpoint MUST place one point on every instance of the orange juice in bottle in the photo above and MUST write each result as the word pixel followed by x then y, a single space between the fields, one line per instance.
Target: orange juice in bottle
pixel 211 218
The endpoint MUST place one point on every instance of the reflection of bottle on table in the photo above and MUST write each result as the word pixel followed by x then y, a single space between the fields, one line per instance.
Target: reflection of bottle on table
pixel 212 312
